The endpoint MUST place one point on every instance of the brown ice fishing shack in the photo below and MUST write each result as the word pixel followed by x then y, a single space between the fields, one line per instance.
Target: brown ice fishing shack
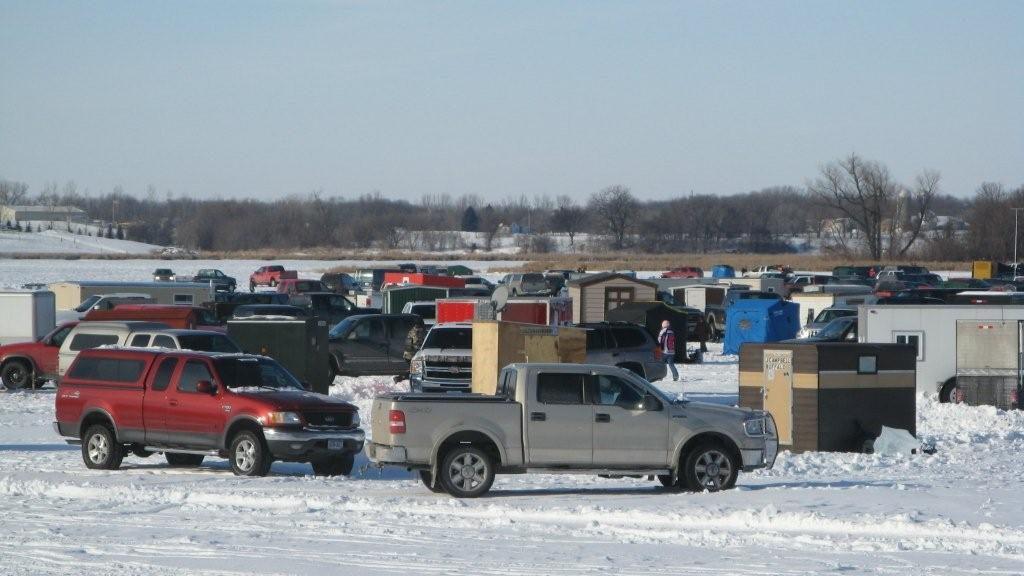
pixel 830 396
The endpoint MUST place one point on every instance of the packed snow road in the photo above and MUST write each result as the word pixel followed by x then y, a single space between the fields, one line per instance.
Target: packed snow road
pixel 957 512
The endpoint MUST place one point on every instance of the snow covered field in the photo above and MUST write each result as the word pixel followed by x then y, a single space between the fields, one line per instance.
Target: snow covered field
pixel 957 512
pixel 58 242
pixel 960 511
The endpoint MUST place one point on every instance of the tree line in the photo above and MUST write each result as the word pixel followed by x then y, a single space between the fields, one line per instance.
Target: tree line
pixel 853 207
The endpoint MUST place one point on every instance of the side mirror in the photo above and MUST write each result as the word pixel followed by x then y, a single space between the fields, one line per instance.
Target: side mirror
pixel 650 403
pixel 206 387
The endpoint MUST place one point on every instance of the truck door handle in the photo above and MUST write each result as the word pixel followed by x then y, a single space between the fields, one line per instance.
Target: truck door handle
pixel 538 416
pixel 602 418
pixel 173 402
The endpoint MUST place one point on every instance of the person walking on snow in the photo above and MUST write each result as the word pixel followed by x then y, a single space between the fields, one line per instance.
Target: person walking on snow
pixel 667 341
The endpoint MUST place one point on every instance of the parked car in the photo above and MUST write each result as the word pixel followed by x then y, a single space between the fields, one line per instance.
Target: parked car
pixel 173 315
pixel 371 279
pixel 559 418
pixel 371 344
pixel 797 282
pixel 339 282
pixel 769 269
pixel 270 276
pixel 330 306
pixel 263 310
pixel 163 275
pixel 856 272
pixel 684 272
pixel 87 335
pixel 426 310
pixel 26 364
pixel 526 284
pixel 220 280
pixel 625 345
pixel 295 286
pixel 823 318
pixel 177 339
pixel 474 281
pixel 190 405
pixel 842 329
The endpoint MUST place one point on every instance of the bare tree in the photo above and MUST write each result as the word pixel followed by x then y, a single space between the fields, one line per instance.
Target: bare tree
pixel 13 193
pixel 616 210
pixel 569 217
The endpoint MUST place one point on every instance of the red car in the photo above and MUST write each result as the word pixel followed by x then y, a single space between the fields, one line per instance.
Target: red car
pixel 189 405
pixel 684 272
pixel 270 276
pixel 30 363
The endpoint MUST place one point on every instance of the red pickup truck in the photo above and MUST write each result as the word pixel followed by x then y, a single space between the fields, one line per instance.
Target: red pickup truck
pixel 270 276
pixel 190 405
pixel 25 364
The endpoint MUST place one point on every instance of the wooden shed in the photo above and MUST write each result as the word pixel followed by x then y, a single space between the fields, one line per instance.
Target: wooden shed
pixel 594 295
pixel 830 396
pixel 497 344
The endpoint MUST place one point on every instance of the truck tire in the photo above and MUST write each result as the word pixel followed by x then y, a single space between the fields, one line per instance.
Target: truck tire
pixel 713 334
pixel 16 374
pixel 252 287
pixel 248 455
pixel 711 467
pixel 467 472
pixel 428 480
pixel 100 449
pixel 947 394
pixel 183 460
pixel 339 466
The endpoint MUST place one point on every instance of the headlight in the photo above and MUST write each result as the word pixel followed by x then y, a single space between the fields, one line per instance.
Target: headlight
pixel 416 366
pixel 755 426
pixel 803 333
pixel 282 419
pixel 355 420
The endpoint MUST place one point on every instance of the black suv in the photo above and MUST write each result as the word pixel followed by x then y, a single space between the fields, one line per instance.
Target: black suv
pixel 625 345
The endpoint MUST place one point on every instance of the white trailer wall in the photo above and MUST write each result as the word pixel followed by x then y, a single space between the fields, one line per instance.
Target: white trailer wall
pixel 26 316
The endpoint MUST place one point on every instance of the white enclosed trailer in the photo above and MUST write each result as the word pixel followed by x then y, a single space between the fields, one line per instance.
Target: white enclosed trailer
pixel 811 303
pixel 26 316
pixel 70 294
pixel 932 328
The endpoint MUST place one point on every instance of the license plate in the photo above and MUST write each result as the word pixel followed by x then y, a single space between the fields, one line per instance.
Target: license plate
pixel 335 444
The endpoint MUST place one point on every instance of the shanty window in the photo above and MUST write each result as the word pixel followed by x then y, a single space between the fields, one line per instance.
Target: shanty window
pixel 916 339
pixel 615 297
pixel 867 365
pixel 183 299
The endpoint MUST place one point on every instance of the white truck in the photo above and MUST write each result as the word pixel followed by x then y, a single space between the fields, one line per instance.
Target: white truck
pixel 568 418
pixel 933 329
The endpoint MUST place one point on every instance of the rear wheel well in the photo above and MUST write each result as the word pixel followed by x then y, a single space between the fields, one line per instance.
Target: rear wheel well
pixel 240 425
pixel 709 437
pixel 476 439
pixel 93 419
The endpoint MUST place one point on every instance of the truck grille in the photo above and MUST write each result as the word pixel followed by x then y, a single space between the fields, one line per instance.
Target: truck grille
pixel 448 370
pixel 329 419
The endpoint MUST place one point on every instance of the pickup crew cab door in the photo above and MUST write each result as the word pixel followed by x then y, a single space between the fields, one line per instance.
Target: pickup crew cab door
pixel 194 419
pixel 559 421
pixel 155 401
pixel 366 348
pixel 625 433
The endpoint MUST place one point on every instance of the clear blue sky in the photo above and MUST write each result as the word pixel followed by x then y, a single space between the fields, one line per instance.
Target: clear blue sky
pixel 265 99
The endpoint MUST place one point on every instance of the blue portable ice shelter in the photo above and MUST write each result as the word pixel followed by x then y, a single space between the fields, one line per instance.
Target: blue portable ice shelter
pixel 758 320
pixel 723 271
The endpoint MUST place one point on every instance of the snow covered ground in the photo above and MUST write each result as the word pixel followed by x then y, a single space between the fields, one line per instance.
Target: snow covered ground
pixel 58 242
pixel 957 512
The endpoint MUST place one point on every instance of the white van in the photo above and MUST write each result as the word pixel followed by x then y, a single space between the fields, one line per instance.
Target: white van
pixel 95 334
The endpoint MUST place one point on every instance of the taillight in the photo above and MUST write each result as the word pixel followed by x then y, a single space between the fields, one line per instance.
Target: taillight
pixel 657 352
pixel 397 420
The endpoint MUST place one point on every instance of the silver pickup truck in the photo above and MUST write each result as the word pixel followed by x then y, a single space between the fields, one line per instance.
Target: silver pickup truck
pixel 568 418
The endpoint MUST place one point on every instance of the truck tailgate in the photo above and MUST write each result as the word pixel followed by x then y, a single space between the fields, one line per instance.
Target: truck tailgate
pixel 432 418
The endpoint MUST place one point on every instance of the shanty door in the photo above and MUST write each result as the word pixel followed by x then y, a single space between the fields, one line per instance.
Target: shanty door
pixel 778 391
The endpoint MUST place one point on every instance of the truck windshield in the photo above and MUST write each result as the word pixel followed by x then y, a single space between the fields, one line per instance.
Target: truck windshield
pixel 246 372
pixel 87 304
pixel 458 338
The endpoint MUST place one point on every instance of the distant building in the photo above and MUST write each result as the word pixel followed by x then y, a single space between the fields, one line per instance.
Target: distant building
pixel 43 214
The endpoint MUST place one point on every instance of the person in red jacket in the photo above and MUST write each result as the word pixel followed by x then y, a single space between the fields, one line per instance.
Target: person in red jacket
pixel 667 341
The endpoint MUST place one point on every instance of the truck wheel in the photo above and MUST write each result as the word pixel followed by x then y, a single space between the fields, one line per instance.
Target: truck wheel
pixel 710 466
pixel 100 449
pixel 713 329
pixel 427 478
pixel 17 374
pixel 467 472
pixel 340 466
pixel 252 287
pixel 249 457
pixel 946 395
pixel 183 460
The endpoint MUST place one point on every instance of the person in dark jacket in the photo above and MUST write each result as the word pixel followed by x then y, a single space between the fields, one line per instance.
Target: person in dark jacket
pixel 413 343
pixel 667 342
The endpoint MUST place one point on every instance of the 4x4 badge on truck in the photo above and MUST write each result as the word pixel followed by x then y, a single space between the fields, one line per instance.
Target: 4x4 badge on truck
pixel 227 407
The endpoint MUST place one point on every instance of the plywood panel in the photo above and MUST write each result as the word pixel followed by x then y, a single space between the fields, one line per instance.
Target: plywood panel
pixel 778 391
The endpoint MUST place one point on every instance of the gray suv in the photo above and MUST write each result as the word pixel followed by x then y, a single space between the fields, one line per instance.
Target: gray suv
pixel 625 345
pixel 526 284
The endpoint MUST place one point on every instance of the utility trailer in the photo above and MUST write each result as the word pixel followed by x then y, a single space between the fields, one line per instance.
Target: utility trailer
pixel 933 329
pixel 70 294
pixel 988 363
